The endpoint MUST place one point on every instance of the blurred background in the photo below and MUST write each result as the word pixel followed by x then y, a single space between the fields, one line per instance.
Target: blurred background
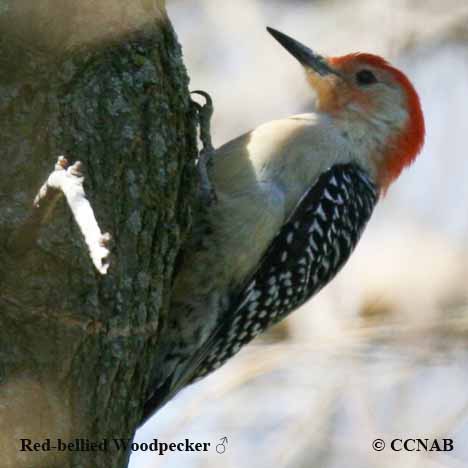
pixel 382 351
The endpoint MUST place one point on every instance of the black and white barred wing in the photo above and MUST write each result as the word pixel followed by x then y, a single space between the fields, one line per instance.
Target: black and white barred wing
pixel 303 257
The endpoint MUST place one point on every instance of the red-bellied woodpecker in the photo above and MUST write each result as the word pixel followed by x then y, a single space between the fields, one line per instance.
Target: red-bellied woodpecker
pixel 292 199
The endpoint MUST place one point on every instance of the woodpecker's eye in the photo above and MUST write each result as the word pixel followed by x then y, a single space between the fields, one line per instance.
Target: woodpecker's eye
pixel 365 77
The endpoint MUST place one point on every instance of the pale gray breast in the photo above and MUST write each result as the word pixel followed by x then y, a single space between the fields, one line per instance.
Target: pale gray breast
pixel 244 223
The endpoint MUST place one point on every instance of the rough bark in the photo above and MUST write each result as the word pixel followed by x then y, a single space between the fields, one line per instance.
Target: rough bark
pixel 100 81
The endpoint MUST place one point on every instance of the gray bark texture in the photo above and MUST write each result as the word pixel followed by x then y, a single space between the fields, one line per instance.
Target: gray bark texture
pixel 100 81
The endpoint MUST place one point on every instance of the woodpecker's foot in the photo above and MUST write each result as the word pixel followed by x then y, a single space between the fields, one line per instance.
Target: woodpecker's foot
pixel 204 114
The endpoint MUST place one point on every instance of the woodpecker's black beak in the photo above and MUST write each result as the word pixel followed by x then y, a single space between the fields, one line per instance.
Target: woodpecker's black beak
pixel 307 57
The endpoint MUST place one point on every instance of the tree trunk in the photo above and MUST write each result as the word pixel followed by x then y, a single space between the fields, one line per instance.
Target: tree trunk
pixel 100 81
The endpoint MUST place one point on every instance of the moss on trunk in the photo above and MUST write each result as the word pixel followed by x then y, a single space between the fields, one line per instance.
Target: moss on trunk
pixel 103 83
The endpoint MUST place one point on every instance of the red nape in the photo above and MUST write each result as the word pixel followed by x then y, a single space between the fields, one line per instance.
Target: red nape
pixel 406 146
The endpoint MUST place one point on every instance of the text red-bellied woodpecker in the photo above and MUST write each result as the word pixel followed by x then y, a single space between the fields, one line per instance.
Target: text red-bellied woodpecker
pixel 292 198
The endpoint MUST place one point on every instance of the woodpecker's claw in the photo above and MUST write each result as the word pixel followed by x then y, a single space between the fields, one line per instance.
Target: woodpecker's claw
pixel 204 113
pixel 209 101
